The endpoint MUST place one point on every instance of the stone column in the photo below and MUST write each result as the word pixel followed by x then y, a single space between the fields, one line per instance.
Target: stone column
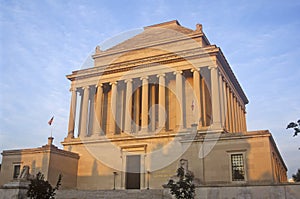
pixel 215 98
pixel 128 107
pixel 153 120
pixel 71 126
pixel 241 118
pixel 84 112
pixel 197 95
pixel 204 112
pixel 161 101
pixel 238 114
pixel 121 106
pixel 244 119
pixel 235 122
pixel 145 85
pixel 98 111
pixel 179 105
pixel 228 114
pixel 112 126
pixel 222 101
pixel 137 109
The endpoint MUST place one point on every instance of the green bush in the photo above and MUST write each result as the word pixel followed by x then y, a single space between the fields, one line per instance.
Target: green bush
pixel 184 187
pixel 41 189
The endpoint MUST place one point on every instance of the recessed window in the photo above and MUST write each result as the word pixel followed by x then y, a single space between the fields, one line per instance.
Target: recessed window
pixel 17 169
pixel 237 167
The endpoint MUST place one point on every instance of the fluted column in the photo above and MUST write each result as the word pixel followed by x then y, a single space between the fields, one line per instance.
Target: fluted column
pixel 232 112
pixel 136 105
pixel 228 114
pixel 239 117
pixel 222 101
pixel 161 101
pixel 128 107
pixel 84 112
pixel 244 119
pixel 71 126
pixel 179 104
pixel 196 84
pixel 98 111
pixel 152 107
pixel 204 111
pixel 235 115
pixel 112 126
pixel 145 87
pixel 215 98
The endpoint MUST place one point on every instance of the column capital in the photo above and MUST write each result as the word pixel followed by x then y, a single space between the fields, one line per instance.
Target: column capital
pixel 177 72
pixel 161 75
pixel 72 89
pixel 224 79
pixel 128 80
pixel 99 85
pixel 212 67
pixel 86 87
pixel 195 69
pixel 113 83
pixel 144 77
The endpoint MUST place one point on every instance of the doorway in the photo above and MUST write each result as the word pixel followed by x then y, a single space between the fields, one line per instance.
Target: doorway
pixel 133 172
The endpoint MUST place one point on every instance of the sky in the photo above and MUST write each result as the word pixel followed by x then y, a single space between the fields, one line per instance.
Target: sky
pixel 42 41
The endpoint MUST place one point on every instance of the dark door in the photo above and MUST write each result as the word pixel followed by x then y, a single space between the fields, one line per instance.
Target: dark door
pixel 133 170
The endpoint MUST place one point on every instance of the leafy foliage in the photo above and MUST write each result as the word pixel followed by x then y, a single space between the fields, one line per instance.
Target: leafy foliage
pixel 184 187
pixel 296 177
pixel 295 126
pixel 41 189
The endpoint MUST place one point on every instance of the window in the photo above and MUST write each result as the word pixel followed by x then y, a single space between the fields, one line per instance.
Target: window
pixel 17 169
pixel 237 167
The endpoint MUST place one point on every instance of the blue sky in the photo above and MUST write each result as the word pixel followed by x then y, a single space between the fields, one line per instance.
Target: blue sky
pixel 42 41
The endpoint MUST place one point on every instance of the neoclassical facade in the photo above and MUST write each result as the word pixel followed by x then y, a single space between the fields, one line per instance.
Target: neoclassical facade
pixel 161 96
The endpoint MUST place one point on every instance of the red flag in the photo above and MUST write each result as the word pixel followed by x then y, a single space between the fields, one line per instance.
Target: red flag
pixel 51 120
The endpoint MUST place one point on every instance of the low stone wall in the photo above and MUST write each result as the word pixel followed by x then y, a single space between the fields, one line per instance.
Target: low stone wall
pixel 14 190
pixel 8 193
pixel 110 194
pixel 282 191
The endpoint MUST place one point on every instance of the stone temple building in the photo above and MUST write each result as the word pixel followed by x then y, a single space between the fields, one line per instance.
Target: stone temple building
pixel 163 98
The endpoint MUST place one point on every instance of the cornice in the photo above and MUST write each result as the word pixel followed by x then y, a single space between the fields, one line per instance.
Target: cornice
pixel 44 149
pixel 231 76
pixel 166 58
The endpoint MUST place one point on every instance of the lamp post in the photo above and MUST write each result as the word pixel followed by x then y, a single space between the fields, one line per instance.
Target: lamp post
pixel 115 174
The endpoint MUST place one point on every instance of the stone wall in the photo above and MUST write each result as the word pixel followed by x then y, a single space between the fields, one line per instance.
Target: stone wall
pixel 282 191
pixel 111 194
pixel 8 193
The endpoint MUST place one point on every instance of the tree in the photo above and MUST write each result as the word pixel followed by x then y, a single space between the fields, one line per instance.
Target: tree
pixel 184 187
pixel 295 126
pixel 296 177
pixel 41 189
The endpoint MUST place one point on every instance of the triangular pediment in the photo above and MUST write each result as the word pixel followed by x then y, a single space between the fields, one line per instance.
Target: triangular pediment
pixel 153 34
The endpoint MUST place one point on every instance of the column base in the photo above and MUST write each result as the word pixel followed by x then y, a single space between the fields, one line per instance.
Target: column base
pixel 179 127
pixel 70 136
pixel 216 126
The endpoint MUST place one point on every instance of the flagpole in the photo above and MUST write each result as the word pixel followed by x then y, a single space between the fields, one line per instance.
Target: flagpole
pixel 51 131
pixel 50 123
